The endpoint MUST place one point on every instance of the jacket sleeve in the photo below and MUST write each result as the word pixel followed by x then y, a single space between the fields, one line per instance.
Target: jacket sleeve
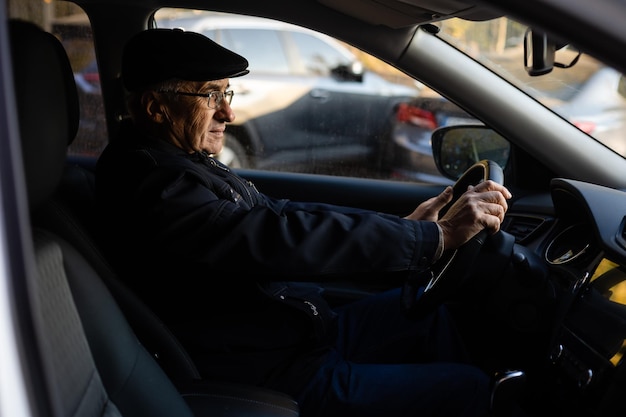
pixel 185 218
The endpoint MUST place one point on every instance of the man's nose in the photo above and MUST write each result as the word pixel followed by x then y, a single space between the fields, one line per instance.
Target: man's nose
pixel 224 113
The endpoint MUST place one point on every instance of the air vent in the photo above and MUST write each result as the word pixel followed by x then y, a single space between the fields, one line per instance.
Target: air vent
pixel 523 227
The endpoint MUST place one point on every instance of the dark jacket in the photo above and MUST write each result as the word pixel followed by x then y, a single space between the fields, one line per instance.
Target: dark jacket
pixel 208 251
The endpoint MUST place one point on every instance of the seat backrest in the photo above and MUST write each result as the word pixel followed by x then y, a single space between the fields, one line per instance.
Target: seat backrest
pixel 68 213
pixel 49 118
pixel 72 379
pixel 96 364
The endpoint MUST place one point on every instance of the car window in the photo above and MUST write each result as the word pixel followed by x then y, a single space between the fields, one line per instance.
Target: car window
pixel 74 31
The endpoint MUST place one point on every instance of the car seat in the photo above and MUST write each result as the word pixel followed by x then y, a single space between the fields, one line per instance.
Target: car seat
pixel 93 361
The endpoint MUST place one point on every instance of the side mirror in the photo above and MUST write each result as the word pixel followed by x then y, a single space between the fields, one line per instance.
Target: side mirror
pixel 351 72
pixel 456 148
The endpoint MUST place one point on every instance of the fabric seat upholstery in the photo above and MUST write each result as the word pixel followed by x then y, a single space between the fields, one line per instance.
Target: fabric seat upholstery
pixel 93 325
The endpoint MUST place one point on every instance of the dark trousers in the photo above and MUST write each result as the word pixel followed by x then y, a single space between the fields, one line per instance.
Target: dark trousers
pixel 383 364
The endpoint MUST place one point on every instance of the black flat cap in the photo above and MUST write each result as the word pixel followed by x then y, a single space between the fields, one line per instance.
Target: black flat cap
pixel 156 55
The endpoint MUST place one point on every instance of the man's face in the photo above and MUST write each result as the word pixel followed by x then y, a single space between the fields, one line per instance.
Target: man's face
pixel 191 124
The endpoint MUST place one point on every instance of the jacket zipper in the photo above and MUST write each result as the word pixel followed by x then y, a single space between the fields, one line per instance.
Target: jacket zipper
pixel 245 184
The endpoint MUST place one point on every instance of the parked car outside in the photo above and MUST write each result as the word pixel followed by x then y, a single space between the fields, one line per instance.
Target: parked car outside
pixel 408 155
pixel 308 104
pixel 598 108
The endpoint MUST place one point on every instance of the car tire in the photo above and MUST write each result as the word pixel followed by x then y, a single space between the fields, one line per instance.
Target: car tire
pixel 233 153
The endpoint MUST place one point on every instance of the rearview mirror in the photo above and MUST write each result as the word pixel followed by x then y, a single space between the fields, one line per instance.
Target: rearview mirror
pixel 456 148
pixel 540 51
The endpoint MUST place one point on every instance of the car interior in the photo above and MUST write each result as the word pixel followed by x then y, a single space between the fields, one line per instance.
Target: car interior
pixel 108 354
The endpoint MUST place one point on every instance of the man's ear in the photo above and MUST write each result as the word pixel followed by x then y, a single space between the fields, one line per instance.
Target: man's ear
pixel 155 109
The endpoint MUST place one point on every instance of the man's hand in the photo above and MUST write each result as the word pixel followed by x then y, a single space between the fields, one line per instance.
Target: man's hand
pixel 481 207
pixel 429 209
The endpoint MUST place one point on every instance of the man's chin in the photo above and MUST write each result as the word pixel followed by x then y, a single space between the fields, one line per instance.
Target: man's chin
pixel 216 154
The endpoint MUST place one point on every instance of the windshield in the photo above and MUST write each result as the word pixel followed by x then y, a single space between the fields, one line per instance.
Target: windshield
pixel 588 94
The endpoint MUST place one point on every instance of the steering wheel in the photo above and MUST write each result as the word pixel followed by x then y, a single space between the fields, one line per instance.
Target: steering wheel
pixel 453 268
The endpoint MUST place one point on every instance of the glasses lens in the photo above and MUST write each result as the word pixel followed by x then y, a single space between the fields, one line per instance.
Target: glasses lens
pixel 229 96
pixel 216 98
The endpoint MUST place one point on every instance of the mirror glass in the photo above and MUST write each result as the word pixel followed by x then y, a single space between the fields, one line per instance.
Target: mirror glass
pixel 456 148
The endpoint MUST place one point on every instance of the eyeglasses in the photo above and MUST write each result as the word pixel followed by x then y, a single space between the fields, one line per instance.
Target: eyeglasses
pixel 215 98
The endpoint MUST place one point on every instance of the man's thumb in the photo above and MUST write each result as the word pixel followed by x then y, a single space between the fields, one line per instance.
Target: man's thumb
pixel 445 197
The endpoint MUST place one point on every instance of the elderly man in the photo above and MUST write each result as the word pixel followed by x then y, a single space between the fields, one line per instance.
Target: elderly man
pixel 224 264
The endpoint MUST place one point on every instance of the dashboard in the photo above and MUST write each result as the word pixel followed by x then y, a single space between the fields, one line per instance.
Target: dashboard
pixel 576 238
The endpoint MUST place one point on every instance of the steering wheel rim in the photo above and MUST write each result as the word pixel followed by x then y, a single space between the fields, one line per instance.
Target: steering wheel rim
pixel 449 272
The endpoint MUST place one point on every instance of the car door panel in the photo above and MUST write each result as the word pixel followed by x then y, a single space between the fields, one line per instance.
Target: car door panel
pixel 392 197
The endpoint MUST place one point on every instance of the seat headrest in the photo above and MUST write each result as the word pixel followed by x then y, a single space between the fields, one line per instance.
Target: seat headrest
pixel 47 106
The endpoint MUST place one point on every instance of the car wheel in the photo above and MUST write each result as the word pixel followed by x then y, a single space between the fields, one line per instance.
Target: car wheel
pixel 233 153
